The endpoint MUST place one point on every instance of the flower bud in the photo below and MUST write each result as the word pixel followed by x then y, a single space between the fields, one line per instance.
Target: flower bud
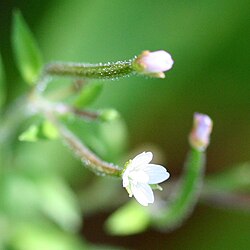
pixel 153 63
pixel 199 137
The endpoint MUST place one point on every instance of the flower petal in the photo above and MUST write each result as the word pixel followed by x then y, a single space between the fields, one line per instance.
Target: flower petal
pixel 156 173
pixel 125 181
pixel 142 193
pixel 139 176
pixel 157 61
pixel 142 159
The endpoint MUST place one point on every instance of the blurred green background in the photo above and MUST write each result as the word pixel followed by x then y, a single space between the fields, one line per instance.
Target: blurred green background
pixel 209 41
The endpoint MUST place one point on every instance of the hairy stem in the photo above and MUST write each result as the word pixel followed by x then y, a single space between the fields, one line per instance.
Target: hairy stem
pixel 89 159
pixel 62 109
pixel 185 198
pixel 91 71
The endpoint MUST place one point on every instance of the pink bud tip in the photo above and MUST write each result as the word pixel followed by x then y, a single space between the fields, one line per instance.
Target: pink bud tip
pixel 199 137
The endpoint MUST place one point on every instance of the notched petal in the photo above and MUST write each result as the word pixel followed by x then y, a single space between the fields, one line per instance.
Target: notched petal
pixel 156 173
pixel 143 193
pixel 143 158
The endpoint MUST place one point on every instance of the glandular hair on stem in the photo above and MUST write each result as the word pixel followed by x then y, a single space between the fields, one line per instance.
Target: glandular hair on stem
pixel 91 71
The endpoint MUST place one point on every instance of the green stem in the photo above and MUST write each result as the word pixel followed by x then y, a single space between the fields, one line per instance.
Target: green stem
pixel 89 159
pixel 62 109
pixel 182 204
pixel 91 71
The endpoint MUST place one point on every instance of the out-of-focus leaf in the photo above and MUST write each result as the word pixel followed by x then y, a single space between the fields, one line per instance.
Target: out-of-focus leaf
pixel 49 130
pixel 18 196
pixel 2 83
pixel 41 236
pixel 108 115
pixel 30 134
pixel 233 179
pixel 25 196
pixel 27 54
pixel 45 130
pixel 59 203
pixel 88 94
pixel 130 219
pixel 4 230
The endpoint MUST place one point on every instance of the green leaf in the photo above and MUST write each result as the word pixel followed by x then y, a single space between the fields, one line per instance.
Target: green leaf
pixel 130 219
pixel 49 130
pixel 88 94
pixel 26 51
pixel 30 134
pixel 2 83
pixel 44 130
pixel 108 115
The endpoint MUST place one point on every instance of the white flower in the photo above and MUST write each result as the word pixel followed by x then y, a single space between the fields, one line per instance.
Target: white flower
pixel 138 176
pixel 154 63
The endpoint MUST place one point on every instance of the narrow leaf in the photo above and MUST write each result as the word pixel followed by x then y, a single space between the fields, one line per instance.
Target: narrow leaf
pixel 26 51
pixel 30 134
pixel 42 131
pixel 2 83
pixel 49 130
pixel 88 94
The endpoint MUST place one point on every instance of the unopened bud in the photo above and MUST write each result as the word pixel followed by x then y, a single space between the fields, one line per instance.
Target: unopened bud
pixel 153 63
pixel 199 137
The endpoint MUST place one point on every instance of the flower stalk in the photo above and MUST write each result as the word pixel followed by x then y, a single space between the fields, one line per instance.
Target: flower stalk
pixel 91 71
pixel 189 189
pixel 147 63
pixel 89 159
pixel 63 109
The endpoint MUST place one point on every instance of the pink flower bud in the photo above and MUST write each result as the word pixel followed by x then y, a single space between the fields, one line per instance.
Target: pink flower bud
pixel 199 137
pixel 153 63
